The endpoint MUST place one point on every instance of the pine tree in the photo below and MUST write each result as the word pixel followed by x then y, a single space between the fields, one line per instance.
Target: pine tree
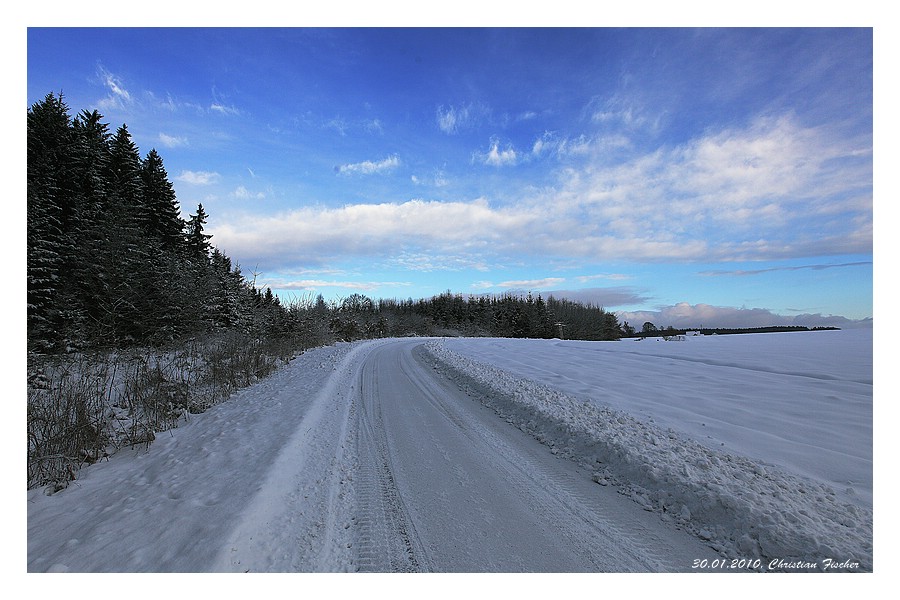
pixel 50 207
pixel 164 220
pixel 125 184
pixel 198 241
pixel 92 155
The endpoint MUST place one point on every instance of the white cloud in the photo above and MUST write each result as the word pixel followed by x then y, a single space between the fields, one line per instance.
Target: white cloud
pixel 439 179
pixel 369 167
pixel 497 157
pixel 551 144
pixel 545 143
pixel 316 284
pixel 242 193
pixel 118 97
pixel 684 315
pixel 223 109
pixel 374 126
pixel 770 191
pixel 624 110
pixel 454 119
pixel 338 124
pixel 607 276
pixel 198 177
pixel 427 262
pixel 815 267
pixel 532 284
pixel 167 104
pixel 459 229
pixel 171 141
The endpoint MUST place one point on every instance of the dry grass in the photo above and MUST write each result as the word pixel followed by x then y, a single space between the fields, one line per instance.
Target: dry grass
pixel 84 407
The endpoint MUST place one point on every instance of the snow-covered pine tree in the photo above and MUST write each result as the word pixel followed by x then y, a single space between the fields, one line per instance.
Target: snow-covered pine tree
pixel 50 207
pixel 164 220
pixel 198 241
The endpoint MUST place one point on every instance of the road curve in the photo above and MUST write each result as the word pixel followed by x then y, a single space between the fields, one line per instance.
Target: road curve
pixel 445 485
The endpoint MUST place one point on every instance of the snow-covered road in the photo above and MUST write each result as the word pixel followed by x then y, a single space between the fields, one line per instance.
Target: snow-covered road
pixel 445 485
pixel 403 455
pixel 353 457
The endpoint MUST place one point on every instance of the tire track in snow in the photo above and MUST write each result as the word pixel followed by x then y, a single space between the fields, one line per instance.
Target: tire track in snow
pixel 443 485
pixel 567 500
pixel 386 540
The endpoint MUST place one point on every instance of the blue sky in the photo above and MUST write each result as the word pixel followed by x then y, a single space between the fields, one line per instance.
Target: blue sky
pixel 716 177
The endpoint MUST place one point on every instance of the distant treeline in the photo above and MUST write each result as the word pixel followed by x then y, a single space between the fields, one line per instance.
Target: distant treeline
pixel 650 330
pixel 507 315
pixel 111 264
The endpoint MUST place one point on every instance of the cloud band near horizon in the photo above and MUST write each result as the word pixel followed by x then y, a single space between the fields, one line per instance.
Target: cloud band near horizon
pixel 773 190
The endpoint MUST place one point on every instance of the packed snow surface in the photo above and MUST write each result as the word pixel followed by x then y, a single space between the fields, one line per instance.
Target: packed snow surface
pixel 465 455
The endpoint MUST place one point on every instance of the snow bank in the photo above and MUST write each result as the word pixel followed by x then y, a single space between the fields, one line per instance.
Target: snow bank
pixel 745 509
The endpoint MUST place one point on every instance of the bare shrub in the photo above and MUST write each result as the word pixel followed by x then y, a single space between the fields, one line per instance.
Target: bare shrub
pixel 84 407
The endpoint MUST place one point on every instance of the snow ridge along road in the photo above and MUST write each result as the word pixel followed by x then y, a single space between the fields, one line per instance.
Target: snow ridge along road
pixel 359 457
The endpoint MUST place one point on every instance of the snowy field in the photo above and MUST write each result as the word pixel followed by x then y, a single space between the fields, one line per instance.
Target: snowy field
pixel 800 400
pixel 761 443
pixel 759 446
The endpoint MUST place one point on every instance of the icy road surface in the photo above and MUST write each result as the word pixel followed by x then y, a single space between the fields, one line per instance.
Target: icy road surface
pixel 361 457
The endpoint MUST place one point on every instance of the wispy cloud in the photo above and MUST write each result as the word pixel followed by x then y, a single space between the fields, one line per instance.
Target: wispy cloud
pixel 743 273
pixel 606 276
pixel 119 96
pixel 437 179
pixel 338 124
pixel 198 177
pixel 496 156
pixel 454 119
pixel 242 193
pixel 450 120
pixel 224 109
pixel 771 190
pixel 531 284
pixel 221 107
pixel 369 167
pixel 171 141
pixel 317 284
pixel 622 110
pixel 429 262
pixel 374 126
pixel 168 104
pixel 550 143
